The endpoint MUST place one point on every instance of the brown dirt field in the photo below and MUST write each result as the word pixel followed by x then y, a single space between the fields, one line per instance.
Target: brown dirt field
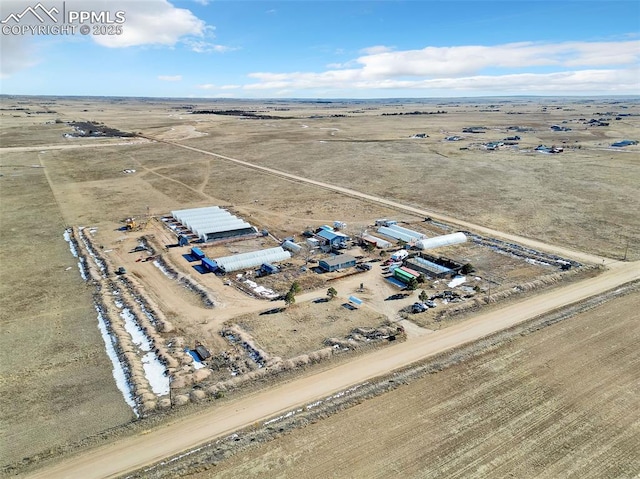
pixel 56 384
pixel 582 198
pixel 303 328
pixel 562 402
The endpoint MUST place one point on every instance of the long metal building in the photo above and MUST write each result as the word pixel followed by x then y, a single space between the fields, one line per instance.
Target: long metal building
pixel 395 234
pixel 444 240
pixel 212 223
pixel 251 259
pixel 407 231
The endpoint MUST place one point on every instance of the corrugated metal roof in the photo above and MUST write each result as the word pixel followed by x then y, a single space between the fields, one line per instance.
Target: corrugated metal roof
pixel 379 241
pixel 209 220
pixel 252 259
pixel 391 233
pixel 407 231
pixel 331 235
pixel 410 271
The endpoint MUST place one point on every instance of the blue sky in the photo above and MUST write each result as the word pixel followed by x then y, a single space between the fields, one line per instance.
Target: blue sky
pixel 332 49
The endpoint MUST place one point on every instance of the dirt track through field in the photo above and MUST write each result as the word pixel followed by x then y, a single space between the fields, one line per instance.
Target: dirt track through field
pixel 134 452
pixel 584 257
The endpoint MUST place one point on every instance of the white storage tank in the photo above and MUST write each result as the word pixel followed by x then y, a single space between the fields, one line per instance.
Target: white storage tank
pixel 438 241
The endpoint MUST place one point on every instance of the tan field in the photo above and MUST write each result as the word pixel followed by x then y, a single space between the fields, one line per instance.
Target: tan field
pixel 562 402
pixel 316 163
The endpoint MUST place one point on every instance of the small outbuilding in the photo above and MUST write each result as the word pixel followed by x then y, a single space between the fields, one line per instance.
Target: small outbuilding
pixel 336 262
pixel 209 265
pixel 202 352
pixel 197 253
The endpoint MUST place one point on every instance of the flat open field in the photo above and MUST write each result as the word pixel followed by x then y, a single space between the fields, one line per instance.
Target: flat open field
pixel 561 402
pixel 56 385
pixel 56 377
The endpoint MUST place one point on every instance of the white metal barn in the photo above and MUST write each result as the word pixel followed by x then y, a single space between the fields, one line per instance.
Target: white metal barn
pixel 395 234
pixel 407 231
pixel 252 259
pixel 212 223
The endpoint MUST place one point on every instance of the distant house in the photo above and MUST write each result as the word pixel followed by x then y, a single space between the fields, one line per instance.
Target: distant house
pixel 493 145
pixel 623 143
pixel 549 149
pixel 339 261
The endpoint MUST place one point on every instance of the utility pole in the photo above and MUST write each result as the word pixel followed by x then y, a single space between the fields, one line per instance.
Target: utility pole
pixel 626 250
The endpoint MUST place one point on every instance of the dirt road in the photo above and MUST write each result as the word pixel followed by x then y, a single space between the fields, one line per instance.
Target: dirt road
pixel 584 257
pixel 131 453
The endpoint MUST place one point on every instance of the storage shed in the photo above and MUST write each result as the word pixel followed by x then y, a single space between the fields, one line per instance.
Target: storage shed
pixel 202 352
pixel 209 265
pixel 339 261
pixel 197 253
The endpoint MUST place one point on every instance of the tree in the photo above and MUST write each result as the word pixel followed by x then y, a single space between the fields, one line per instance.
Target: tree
pixel 413 284
pixel 467 268
pixel 289 298
pixel 423 296
pixel 295 287
pixel 422 278
pixel 332 293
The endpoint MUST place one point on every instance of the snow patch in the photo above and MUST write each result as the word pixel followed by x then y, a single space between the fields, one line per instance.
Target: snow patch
pixel 118 370
pixel 458 280
pixel 164 270
pixel 137 335
pixel 154 371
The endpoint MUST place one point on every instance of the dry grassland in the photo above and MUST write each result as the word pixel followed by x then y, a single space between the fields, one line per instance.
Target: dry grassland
pixel 56 378
pixel 56 384
pixel 584 198
pixel 303 328
pixel 562 402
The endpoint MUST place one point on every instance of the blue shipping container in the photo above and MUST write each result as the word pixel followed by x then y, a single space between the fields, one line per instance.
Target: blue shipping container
pixel 197 253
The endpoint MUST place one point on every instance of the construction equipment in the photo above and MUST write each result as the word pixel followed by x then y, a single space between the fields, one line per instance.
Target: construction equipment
pixel 131 224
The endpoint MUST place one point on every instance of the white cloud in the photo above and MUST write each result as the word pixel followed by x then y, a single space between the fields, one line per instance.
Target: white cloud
pixel 170 77
pixel 463 60
pixel 151 22
pixel 376 49
pixel 518 67
pixel 201 46
pixel 203 2
pixel 206 86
